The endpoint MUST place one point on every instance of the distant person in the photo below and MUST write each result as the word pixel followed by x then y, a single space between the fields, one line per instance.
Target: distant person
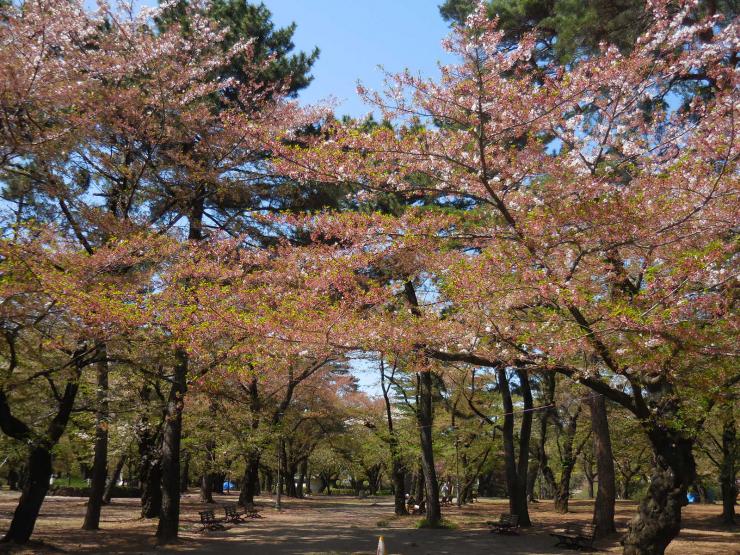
pixel 445 491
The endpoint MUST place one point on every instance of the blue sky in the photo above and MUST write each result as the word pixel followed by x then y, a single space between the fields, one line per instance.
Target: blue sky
pixel 355 36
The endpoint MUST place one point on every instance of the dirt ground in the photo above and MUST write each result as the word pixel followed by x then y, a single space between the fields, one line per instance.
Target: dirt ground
pixel 343 525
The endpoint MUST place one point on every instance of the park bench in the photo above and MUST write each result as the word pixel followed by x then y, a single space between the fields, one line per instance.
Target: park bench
pixel 507 524
pixel 576 536
pixel 250 511
pixel 232 514
pixel 209 521
pixel 420 509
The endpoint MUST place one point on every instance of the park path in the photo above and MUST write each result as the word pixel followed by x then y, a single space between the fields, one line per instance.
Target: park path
pixel 340 525
pixel 350 526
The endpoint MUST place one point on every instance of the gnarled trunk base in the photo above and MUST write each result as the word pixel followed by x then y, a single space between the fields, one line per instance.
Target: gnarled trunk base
pixel 658 520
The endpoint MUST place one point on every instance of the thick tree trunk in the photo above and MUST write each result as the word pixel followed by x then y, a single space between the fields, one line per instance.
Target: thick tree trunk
pixel 399 490
pixel 728 472
pixel 206 488
pixel 426 419
pixel 251 480
pixel 34 492
pixel 151 489
pixel 562 493
pixel 658 520
pixel 150 471
pixel 169 518
pixel 100 461
pixel 606 493
pixel 659 517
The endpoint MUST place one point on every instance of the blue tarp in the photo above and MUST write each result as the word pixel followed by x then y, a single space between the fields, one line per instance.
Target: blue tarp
pixel 229 485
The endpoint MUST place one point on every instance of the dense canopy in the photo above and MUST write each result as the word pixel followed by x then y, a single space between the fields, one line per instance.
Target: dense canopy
pixel 534 253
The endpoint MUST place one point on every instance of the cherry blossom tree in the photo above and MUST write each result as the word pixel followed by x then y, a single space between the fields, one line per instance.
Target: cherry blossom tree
pixel 585 222
pixel 112 107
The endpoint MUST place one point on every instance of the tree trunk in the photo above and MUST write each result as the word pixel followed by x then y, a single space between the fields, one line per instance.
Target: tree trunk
pixel 418 492
pixel 302 478
pixel 169 518
pixel 562 493
pixel 251 472
pixel 113 479
pixel 150 470
pixel 398 470
pixel 34 492
pixel 548 386
pixel 38 470
pixel 151 489
pixel 399 491
pixel 100 461
pixel 534 470
pixel 373 478
pixel 206 488
pixel 516 472
pixel 568 462
pixel 185 475
pixel 728 483
pixel 606 494
pixel 208 481
pixel 290 487
pixel 658 520
pixel 218 479
pixel 251 480
pixel 426 419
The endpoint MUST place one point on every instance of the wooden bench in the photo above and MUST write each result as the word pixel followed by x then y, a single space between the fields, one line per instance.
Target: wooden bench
pixel 232 514
pixel 209 521
pixel 507 524
pixel 576 536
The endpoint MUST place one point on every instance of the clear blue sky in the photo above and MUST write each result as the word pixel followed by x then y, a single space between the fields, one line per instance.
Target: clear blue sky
pixel 355 36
